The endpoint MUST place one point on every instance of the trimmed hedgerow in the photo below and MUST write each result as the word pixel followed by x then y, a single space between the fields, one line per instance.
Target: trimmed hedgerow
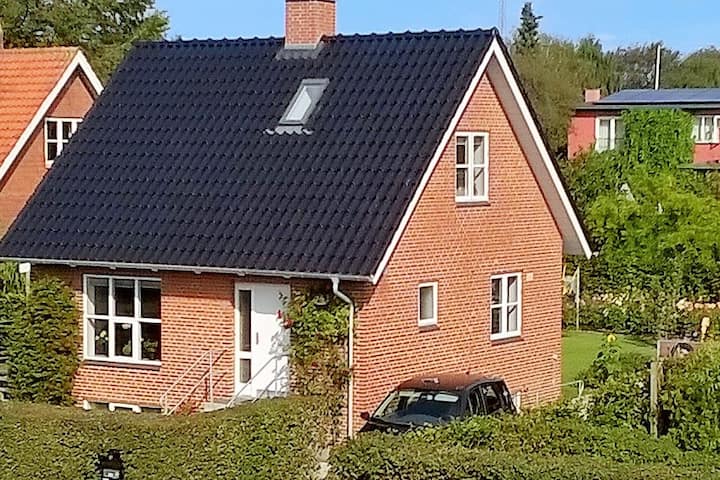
pixel 267 440
pixel 541 446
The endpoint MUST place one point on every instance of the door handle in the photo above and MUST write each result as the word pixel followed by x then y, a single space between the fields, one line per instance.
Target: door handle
pixel 257 338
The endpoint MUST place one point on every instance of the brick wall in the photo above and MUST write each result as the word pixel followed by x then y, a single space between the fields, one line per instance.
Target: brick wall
pixel 461 247
pixel 306 21
pixel 29 169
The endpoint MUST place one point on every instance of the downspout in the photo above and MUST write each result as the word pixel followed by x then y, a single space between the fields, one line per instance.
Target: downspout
pixel 351 335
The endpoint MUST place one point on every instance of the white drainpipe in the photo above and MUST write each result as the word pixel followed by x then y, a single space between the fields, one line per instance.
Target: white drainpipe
pixel 351 334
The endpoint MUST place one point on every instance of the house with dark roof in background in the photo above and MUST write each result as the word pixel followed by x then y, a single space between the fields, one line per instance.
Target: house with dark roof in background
pixel 404 173
pixel 44 95
pixel 597 124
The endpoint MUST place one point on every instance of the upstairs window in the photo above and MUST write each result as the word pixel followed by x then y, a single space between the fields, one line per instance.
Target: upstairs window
pixel 427 305
pixel 471 167
pixel 706 129
pixel 609 134
pixel 304 102
pixel 58 132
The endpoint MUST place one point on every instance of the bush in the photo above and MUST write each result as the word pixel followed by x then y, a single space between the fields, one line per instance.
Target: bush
pixel 268 440
pixel 489 456
pixel 42 343
pixel 691 399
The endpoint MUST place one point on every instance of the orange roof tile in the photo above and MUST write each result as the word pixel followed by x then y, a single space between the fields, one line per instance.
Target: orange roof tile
pixel 27 76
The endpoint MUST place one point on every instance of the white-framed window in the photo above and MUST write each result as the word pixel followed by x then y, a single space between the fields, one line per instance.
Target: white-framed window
pixel 428 304
pixel 609 133
pixel 506 306
pixel 472 172
pixel 122 319
pixel 706 129
pixel 58 132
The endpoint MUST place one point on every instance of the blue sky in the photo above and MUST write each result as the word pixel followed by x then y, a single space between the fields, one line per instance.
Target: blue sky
pixel 683 24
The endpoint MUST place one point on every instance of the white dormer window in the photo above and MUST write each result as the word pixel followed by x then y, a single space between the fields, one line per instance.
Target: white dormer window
pixel 706 129
pixel 471 167
pixel 304 101
pixel 58 132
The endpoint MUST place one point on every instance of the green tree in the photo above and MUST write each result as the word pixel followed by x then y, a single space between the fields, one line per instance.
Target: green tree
pixel 699 69
pixel 636 65
pixel 105 29
pixel 528 33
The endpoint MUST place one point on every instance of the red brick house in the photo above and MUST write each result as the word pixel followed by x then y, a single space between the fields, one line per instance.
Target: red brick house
pixel 44 95
pixel 597 124
pixel 403 172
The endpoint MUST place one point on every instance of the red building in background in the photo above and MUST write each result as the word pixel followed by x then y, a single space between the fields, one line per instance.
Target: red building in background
pixel 598 124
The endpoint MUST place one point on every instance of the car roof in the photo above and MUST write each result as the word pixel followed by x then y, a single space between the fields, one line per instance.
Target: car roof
pixel 446 381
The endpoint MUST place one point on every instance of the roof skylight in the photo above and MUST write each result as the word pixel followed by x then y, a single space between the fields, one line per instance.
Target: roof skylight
pixel 304 101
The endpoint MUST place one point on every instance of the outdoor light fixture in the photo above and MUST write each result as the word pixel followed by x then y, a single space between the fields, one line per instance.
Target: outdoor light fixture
pixel 111 466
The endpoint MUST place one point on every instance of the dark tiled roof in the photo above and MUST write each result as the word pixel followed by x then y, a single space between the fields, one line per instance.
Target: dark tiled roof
pixel 672 95
pixel 180 162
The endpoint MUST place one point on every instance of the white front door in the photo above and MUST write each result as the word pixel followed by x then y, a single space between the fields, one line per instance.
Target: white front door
pixel 261 341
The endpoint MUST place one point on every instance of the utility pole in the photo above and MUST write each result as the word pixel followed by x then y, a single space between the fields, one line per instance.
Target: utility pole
pixel 501 17
pixel 657 66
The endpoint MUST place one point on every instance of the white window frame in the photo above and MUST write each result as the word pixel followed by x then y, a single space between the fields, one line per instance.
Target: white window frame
pixel 612 141
pixel 504 304
pixel 428 322
pixel 59 141
pixel 715 119
pixel 470 168
pixel 112 319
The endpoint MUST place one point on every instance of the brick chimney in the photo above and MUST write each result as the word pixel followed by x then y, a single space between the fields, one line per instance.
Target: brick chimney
pixel 306 21
pixel 592 95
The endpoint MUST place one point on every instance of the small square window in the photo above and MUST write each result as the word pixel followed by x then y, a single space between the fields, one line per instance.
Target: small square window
pixel 506 306
pixel 57 135
pixel 471 167
pixel 427 305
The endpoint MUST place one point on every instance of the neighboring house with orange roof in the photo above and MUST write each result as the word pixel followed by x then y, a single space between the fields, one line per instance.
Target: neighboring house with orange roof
pixel 44 95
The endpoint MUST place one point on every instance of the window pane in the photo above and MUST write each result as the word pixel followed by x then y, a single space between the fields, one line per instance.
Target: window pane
pixel 513 318
pixel 427 303
pixel 461 185
pixel 604 130
pixel 52 151
pixel 244 321
pixel 100 337
pixel 124 298
pixel 123 340
pixel 98 291
pixel 708 129
pixel 496 318
pixel 66 130
pixel 512 289
pixel 461 153
pixel 150 341
pixel 492 400
pixel 479 183
pixel 300 107
pixel 479 151
pixel 496 288
pixel 619 132
pixel 245 370
pixel 51 127
pixel 696 129
pixel 150 299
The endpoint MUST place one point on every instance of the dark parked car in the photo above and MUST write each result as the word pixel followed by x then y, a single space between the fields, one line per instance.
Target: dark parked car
pixel 438 399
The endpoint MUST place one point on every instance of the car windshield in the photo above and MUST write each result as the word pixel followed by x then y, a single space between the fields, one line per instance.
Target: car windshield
pixel 418 407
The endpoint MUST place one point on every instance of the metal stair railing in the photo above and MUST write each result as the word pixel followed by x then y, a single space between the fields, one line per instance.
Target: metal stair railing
pixel 205 361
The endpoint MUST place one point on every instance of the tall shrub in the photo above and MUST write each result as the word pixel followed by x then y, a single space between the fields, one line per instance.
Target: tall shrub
pixel 42 344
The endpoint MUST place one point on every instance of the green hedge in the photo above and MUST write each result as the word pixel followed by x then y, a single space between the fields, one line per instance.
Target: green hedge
pixel 269 440
pixel 537 446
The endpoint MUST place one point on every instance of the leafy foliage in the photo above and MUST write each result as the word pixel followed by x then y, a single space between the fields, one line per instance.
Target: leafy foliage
pixel 692 400
pixel 42 342
pixel 266 440
pixel 106 29
pixel 318 350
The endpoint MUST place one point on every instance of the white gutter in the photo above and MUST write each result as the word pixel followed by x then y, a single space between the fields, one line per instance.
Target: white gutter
pixel 351 335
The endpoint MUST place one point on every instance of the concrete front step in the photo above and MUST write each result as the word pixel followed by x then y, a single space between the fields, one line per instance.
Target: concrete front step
pixel 222 404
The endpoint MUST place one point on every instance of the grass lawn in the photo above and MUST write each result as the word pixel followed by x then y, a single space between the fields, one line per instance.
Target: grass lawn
pixel 581 348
